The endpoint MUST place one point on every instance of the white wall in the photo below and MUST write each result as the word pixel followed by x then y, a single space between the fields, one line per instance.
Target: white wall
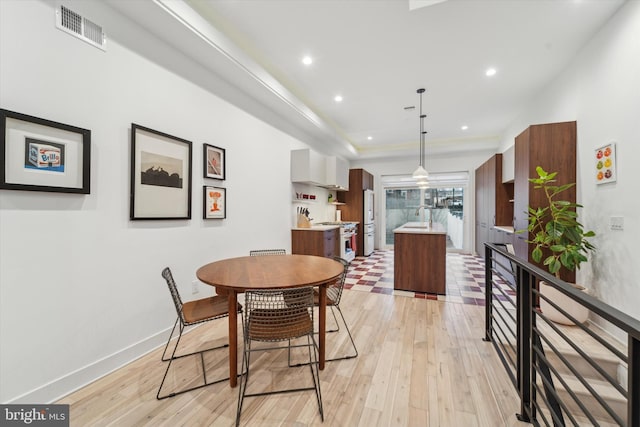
pixel 601 91
pixel 80 285
pixel 433 164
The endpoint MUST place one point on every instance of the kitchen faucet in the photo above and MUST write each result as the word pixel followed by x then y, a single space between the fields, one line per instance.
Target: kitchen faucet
pixel 423 207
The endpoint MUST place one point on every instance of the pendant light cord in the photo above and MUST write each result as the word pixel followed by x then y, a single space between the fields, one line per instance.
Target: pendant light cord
pixel 421 173
pixel 422 116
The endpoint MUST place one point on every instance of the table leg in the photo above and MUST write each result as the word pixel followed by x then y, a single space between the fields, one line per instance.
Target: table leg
pixel 322 320
pixel 233 338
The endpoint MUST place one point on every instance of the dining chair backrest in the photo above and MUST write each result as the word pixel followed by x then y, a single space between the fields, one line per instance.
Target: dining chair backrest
pixel 262 252
pixel 175 295
pixel 334 290
pixel 278 314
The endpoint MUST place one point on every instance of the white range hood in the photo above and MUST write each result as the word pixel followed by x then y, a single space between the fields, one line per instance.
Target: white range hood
pixel 337 174
pixel 310 167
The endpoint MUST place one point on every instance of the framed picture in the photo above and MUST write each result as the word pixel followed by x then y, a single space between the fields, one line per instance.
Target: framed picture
pixel 605 164
pixel 160 175
pixel 214 202
pixel 41 155
pixel 214 162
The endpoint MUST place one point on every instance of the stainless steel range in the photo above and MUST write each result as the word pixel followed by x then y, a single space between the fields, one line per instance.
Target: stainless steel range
pixel 348 232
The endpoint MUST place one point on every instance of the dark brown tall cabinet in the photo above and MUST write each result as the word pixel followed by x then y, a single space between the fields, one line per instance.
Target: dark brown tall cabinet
pixel 353 208
pixel 553 147
pixel 493 201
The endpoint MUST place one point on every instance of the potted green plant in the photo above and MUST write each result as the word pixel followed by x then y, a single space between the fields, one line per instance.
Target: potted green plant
pixel 560 241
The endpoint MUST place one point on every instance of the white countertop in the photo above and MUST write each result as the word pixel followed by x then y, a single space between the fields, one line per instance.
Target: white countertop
pixel 421 228
pixel 317 228
pixel 504 228
pixel 338 222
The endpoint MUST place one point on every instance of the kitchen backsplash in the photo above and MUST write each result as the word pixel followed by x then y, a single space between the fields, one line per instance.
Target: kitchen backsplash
pixel 315 199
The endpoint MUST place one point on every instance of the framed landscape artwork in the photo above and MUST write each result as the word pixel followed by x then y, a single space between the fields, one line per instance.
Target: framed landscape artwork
pixel 42 155
pixel 214 202
pixel 214 162
pixel 160 175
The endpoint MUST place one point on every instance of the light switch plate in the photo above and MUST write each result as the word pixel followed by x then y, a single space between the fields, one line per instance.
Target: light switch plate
pixel 616 222
pixel 194 287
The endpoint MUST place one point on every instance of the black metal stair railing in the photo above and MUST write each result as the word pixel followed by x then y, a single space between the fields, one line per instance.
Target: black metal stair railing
pixel 565 375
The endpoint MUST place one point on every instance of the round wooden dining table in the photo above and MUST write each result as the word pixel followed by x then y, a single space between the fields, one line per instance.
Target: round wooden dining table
pixel 236 275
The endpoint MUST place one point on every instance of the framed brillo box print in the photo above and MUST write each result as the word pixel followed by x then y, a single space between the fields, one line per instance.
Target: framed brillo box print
pixel 160 175
pixel 42 155
pixel 214 162
pixel 214 202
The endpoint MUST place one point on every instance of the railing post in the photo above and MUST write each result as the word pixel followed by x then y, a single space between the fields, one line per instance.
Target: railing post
pixel 633 383
pixel 488 294
pixel 523 345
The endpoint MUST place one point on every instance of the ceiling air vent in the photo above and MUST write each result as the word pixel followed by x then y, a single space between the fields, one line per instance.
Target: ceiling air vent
pixel 77 25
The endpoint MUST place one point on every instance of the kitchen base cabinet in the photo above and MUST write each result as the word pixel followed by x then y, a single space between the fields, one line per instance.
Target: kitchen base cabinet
pixel 503 236
pixel 420 262
pixel 325 243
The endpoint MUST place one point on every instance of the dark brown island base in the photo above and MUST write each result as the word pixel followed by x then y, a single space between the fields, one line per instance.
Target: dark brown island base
pixel 420 252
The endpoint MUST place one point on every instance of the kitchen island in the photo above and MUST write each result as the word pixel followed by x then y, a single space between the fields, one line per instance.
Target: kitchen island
pixel 420 252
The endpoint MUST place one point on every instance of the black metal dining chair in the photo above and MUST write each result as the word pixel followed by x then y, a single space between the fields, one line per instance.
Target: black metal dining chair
pixel 263 252
pixel 334 295
pixel 192 313
pixel 276 316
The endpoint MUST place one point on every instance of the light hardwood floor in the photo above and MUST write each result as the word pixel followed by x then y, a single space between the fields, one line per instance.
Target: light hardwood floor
pixel 421 363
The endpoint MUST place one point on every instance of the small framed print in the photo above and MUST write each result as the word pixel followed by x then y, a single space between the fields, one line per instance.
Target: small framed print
pixel 160 175
pixel 214 162
pixel 605 164
pixel 41 155
pixel 214 202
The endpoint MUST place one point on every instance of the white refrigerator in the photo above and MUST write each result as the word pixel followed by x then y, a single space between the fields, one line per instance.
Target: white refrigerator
pixel 368 226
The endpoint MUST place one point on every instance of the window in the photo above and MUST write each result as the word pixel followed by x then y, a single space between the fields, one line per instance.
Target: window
pixel 443 202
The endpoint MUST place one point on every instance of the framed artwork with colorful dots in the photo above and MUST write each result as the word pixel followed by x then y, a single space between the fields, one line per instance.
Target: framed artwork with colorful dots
pixel 605 164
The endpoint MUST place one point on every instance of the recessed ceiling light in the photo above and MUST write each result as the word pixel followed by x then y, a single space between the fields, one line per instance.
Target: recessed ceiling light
pixel 464 127
pixel 490 72
pixel 337 98
pixel 369 138
pixel 307 60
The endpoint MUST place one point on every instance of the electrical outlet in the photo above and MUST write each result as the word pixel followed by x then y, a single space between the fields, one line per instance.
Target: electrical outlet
pixel 194 287
pixel 616 222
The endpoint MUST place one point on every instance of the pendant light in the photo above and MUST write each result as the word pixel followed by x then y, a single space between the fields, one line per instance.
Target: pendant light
pixel 420 174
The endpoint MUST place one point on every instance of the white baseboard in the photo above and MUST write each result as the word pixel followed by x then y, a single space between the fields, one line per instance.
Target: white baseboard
pixel 58 388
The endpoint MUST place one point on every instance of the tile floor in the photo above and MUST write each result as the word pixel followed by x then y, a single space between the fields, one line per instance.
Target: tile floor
pixel 465 278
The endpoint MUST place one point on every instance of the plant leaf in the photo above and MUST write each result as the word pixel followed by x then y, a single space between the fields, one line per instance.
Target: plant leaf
pixel 536 254
pixel 555 227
